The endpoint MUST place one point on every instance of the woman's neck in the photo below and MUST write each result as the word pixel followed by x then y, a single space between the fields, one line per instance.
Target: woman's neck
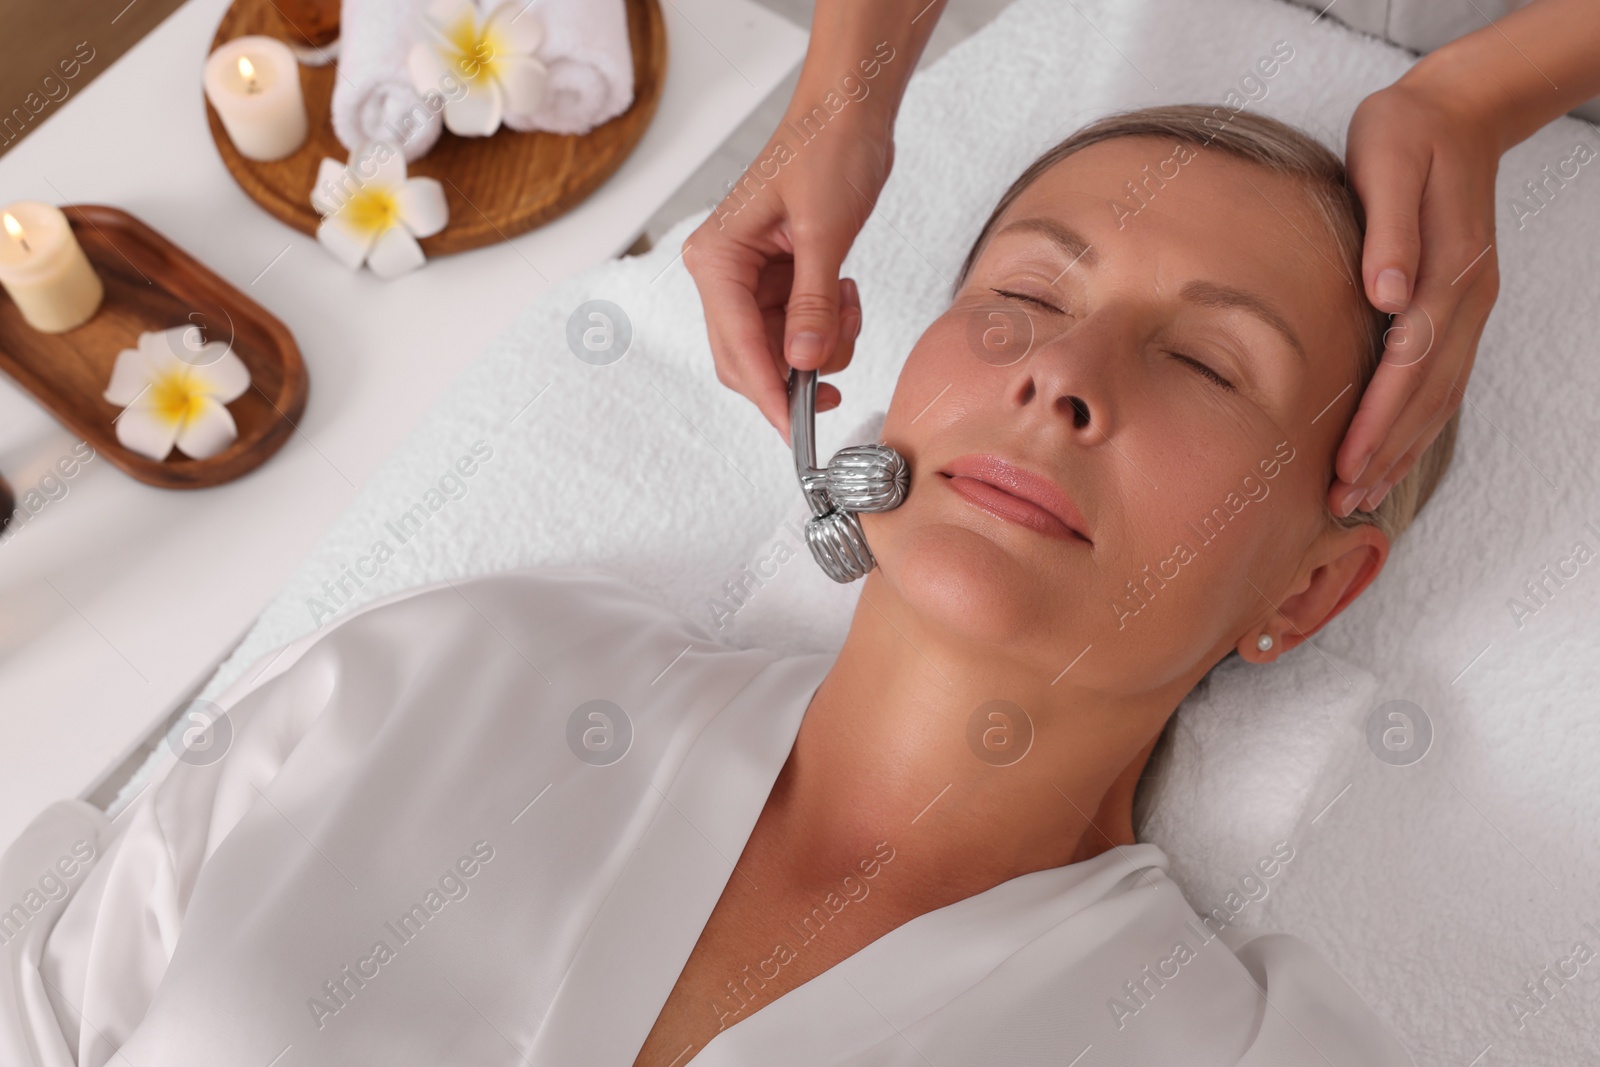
pixel 916 740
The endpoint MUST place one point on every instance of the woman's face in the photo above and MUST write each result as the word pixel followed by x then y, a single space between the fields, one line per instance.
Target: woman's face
pixel 1128 355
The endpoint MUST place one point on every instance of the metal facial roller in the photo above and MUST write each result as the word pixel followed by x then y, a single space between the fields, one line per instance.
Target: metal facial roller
pixel 857 478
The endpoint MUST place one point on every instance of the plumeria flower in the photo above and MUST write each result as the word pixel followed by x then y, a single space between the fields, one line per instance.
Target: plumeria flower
pixel 172 389
pixel 490 55
pixel 373 214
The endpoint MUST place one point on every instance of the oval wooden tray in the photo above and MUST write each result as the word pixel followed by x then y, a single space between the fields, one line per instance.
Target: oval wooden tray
pixel 152 284
pixel 496 187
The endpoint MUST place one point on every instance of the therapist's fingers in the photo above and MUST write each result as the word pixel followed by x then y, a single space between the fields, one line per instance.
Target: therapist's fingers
pixel 1425 346
pixel 828 394
pixel 811 327
pixel 777 282
pixel 1427 400
pixel 1389 178
pixel 727 273
pixel 1412 387
pixel 770 292
pixel 849 327
pixel 1389 175
pixel 1432 424
pixel 1419 162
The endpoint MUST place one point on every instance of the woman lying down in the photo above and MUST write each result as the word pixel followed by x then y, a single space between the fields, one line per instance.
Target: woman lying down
pixel 535 818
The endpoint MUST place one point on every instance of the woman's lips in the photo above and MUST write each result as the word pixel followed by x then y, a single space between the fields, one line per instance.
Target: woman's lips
pixel 1017 494
pixel 1006 506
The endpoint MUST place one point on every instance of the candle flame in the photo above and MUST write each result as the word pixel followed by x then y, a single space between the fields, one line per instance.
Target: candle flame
pixel 15 231
pixel 247 71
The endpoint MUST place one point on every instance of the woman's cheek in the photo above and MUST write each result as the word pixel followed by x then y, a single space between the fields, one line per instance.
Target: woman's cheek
pixel 1191 517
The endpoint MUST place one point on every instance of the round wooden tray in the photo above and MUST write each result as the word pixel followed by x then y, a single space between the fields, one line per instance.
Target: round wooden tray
pixel 496 187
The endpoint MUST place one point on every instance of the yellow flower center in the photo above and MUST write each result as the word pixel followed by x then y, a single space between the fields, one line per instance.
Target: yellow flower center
pixel 175 398
pixel 478 49
pixel 372 210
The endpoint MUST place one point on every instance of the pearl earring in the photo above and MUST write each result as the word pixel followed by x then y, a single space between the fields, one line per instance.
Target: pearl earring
pixel 1264 642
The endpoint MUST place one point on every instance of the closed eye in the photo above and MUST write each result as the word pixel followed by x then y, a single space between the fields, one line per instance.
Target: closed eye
pixel 1204 370
pixel 1029 299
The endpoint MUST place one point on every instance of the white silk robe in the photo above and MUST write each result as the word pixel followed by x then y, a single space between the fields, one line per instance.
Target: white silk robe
pixel 399 857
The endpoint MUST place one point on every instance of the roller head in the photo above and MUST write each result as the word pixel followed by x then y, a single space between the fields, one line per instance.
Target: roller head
pixel 839 546
pixel 868 478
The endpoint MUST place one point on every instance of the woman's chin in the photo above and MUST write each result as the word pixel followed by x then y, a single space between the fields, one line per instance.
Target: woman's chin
pixel 961 582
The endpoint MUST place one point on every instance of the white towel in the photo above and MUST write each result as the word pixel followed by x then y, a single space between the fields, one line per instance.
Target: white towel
pixel 373 98
pixel 587 52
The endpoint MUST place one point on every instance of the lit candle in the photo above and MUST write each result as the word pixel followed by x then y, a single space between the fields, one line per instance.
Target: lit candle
pixel 44 270
pixel 254 83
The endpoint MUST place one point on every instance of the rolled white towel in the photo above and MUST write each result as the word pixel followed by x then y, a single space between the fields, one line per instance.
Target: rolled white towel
pixel 587 52
pixel 373 98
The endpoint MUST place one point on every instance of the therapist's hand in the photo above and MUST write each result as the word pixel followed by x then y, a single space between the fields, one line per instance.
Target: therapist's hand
pixel 767 259
pixel 1423 161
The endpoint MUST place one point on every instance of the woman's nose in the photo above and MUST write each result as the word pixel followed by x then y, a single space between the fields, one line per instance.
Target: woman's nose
pixel 1069 371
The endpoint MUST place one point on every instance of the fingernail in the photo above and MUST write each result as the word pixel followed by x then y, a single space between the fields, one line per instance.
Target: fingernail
pixel 1392 288
pixel 1348 504
pixel 805 347
pixel 1362 469
pixel 1375 497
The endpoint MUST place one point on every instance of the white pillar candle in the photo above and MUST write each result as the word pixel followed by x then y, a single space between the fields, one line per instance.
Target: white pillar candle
pixel 44 270
pixel 254 83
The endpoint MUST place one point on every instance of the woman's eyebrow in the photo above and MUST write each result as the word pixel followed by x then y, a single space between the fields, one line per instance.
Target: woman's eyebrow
pixel 1212 295
pixel 1204 294
pixel 1065 237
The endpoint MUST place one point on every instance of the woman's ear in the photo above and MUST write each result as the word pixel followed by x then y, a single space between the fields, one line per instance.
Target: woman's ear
pixel 1341 564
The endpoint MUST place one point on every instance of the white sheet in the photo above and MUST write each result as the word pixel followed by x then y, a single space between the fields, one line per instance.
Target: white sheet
pixel 400 858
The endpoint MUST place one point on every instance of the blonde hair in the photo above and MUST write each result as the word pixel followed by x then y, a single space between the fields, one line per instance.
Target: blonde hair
pixel 1278 147
pixel 1283 149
